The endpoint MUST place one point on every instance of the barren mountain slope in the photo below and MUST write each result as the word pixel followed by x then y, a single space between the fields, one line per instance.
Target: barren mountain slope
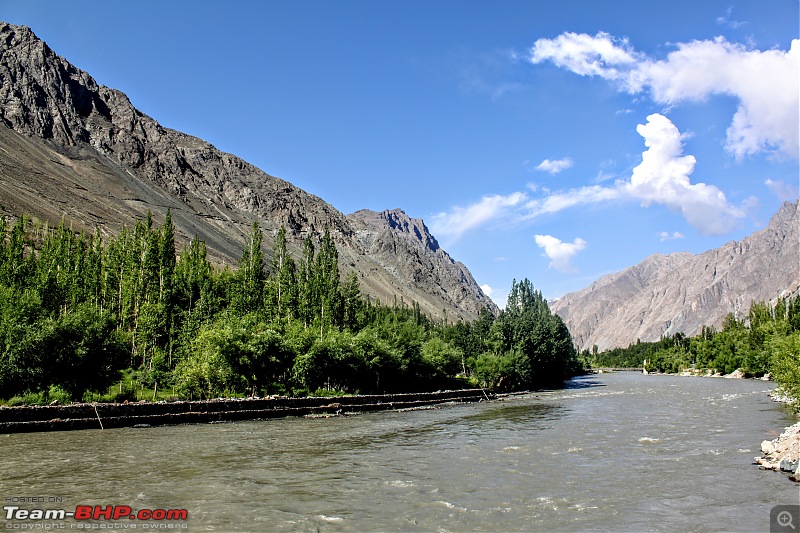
pixel 390 234
pixel 682 292
pixel 69 147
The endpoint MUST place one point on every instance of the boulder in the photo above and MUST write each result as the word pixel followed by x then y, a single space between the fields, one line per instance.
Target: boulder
pixel 789 465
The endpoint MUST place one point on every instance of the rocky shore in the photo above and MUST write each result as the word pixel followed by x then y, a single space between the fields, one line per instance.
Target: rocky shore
pixel 783 453
pixel 24 419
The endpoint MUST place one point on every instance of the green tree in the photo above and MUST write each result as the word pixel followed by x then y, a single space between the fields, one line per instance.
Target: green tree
pixel 248 294
pixel 528 326
pixel 785 364
pixel 327 282
pixel 307 284
pixel 283 284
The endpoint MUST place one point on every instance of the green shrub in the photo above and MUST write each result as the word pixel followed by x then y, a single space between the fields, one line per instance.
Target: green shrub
pixel 57 394
pixel 28 398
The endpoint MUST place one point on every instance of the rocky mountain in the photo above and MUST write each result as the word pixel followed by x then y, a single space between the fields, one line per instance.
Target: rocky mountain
pixel 391 234
pixel 682 292
pixel 75 149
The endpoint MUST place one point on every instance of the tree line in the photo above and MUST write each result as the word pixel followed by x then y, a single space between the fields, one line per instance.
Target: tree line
pixel 83 317
pixel 767 341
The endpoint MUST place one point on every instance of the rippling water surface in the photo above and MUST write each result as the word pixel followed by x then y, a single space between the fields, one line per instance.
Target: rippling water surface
pixel 616 452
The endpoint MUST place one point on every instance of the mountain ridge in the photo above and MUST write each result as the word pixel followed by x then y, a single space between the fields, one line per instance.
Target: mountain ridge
pixel 77 149
pixel 681 292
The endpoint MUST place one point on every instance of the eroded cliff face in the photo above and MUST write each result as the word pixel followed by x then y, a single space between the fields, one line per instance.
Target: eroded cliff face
pixel 682 292
pixel 76 149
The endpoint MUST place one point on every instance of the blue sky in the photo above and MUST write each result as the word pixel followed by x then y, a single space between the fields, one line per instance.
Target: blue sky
pixel 557 141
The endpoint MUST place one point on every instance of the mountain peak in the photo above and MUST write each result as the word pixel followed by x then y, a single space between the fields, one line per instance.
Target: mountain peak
pixel 397 219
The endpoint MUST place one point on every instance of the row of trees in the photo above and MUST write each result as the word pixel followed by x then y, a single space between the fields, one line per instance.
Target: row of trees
pixel 767 341
pixel 95 318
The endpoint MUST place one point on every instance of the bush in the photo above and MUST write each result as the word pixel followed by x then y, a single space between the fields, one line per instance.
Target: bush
pixel 53 394
pixel 29 398
pixel 57 394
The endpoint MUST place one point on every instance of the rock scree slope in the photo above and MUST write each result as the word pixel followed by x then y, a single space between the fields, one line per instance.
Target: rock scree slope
pixel 73 149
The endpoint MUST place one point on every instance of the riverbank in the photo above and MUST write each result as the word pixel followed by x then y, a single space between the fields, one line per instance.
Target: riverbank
pixel 697 373
pixel 782 454
pixel 708 373
pixel 25 419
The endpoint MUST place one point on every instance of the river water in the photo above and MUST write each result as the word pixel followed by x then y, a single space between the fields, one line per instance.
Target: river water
pixel 614 452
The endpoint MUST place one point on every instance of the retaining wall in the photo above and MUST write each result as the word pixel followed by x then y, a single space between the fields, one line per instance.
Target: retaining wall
pixel 115 415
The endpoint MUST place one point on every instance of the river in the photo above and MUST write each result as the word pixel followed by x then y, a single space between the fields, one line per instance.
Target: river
pixel 613 452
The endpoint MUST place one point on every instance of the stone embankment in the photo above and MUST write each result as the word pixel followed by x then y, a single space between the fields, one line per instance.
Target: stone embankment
pixel 783 453
pixel 143 414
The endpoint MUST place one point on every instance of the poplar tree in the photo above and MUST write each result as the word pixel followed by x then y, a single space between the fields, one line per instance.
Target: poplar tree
pixel 193 278
pixel 327 281
pixel 308 293
pixel 166 280
pixel 250 277
pixel 283 284
pixel 351 302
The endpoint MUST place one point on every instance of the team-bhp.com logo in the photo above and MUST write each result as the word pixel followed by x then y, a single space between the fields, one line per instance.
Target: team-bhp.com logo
pixel 84 513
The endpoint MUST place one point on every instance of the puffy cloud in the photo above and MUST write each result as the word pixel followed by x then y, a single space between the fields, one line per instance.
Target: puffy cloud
pixel 784 191
pixel 555 166
pixel 663 178
pixel 560 253
pixel 766 83
pixel 454 223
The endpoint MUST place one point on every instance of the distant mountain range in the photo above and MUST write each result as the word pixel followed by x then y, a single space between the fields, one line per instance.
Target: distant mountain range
pixel 72 148
pixel 682 292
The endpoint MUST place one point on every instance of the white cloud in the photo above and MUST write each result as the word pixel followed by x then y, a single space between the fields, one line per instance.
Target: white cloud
pixel 663 178
pixel 784 191
pixel 498 297
pixel 560 253
pixel 454 223
pixel 601 55
pixel 487 290
pixel 666 236
pixel 766 83
pixel 558 201
pixel 555 166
